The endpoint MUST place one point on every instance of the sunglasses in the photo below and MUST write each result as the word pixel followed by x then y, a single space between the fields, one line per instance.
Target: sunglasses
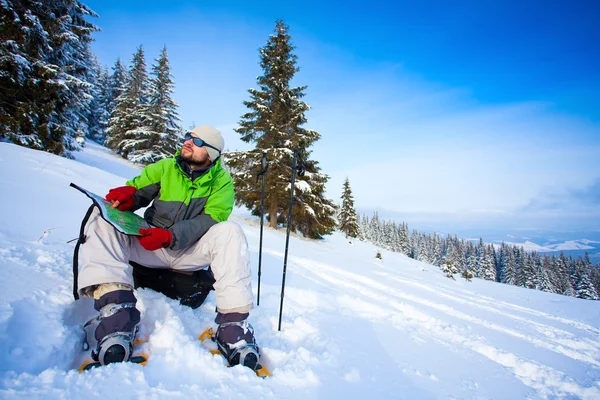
pixel 199 142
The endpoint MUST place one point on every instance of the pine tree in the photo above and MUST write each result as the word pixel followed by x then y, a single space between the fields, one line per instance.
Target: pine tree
pixel 460 253
pixel 472 264
pixel 375 229
pixel 562 278
pixel 509 275
pixel 274 124
pixel 545 275
pixel 347 219
pixel 584 288
pixel 116 85
pixel 479 257
pixel 389 235
pixel 127 125
pixel 99 114
pixel 45 63
pixel 574 266
pixel 28 81
pixel 527 275
pixel 363 229
pixel 72 53
pixel 162 137
pixel 404 239
pixel 415 248
pixel 448 265
pixel 488 266
pixel 595 277
pixel 436 250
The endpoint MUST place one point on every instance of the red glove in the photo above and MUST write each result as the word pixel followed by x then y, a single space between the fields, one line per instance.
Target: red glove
pixel 155 238
pixel 122 194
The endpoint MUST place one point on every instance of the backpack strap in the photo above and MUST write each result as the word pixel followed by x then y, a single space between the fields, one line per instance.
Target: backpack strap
pixel 80 241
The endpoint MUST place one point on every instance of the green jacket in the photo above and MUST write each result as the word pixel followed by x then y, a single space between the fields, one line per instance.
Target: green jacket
pixel 186 203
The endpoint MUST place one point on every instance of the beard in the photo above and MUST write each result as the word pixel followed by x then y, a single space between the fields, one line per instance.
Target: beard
pixel 195 160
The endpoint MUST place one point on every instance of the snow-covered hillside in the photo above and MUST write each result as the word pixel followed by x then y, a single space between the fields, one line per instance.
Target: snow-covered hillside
pixel 353 327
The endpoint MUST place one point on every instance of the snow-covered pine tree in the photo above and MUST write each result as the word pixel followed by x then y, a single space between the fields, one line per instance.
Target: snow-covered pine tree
pixel 44 59
pixel 437 249
pixel 127 124
pixel 347 218
pixel 162 137
pixel 375 229
pixel 28 79
pixel 595 277
pixel 448 265
pixel 545 275
pixel 561 277
pixel 116 85
pixel 363 229
pixel 99 114
pixel 488 266
pixel 501 260
pixel 472 263
pixel 72 53
pixel 394 237
pixel 574 266
pixel 584 288
pixel 527 275
pixel 460 253
pixel 480 255
pixel 415 248
pixel 509 273
pixel 389 235
pixel 404 239
pixel 274 123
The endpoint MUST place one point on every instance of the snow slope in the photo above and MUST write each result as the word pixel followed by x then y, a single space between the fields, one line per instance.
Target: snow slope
pixel 353 327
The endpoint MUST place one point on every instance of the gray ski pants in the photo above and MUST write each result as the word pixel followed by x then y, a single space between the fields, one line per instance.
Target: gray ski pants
pixel 104 259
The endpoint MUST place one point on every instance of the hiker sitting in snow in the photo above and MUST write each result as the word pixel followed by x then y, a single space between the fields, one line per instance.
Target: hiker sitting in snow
pixel 190 197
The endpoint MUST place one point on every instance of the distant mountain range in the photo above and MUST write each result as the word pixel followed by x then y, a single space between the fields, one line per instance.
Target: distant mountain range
pixel 572 243
pixel 540 244
pixel 582 244
pixel 573 248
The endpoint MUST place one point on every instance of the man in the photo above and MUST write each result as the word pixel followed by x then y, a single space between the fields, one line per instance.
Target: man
pixel 190 197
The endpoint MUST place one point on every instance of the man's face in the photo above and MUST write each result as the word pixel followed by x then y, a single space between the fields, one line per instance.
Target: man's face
pixel 194 154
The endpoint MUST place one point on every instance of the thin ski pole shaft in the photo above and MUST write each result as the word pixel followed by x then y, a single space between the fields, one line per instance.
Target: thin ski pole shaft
pixel 287 235
pixel 262 217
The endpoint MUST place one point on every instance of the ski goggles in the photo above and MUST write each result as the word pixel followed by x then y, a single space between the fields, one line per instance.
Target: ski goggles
pixel 199 142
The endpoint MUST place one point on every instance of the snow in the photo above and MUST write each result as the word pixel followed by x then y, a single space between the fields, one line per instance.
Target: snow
pixel 352 327
pixel 302 186
pixel 530 246
pixel 587 241
pixel 570 245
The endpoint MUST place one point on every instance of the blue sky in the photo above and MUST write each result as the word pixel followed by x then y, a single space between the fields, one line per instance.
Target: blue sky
pixel 450 115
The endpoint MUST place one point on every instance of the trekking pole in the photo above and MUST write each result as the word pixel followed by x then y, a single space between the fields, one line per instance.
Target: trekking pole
pixel 263 170
pixel 289 224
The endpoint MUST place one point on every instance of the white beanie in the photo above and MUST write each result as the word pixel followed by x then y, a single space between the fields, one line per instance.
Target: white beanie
pixel 211 136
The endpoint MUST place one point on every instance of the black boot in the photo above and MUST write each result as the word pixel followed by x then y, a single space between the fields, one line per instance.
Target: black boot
pixel 235 339
pixel 117 326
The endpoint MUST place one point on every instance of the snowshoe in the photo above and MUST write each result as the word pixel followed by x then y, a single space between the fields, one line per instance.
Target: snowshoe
pixel 239 353
pixel 116 349
pixel 116 329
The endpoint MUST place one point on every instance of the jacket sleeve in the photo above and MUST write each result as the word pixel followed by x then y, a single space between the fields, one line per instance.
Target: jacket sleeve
pixel 217 209
pixel 147 185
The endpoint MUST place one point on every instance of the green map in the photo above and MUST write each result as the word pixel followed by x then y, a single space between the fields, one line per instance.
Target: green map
pixel 124 221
